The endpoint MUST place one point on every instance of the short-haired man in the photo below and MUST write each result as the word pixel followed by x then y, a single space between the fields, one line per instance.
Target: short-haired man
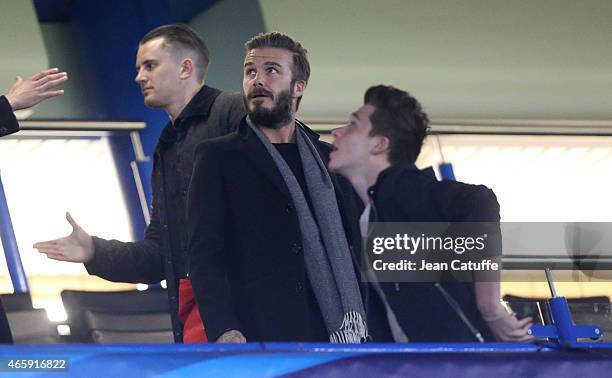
pixel 376 151
pixel 171 63
pixel 270 229
pixel 22 95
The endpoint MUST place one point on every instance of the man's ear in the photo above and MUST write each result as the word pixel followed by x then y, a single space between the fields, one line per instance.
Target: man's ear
pixel 187 68
pixel 382 145
pixel 298 88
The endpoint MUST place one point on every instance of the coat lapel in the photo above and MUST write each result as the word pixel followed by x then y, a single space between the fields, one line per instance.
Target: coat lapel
pixel 255 151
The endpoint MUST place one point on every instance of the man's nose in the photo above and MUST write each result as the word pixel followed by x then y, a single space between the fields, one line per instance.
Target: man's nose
pixel 258 80
pixel 138 79
pixel 337 131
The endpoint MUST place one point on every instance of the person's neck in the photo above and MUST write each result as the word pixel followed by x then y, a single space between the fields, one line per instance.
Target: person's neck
pixel 283 134
pixel 182 99
pixel 364 179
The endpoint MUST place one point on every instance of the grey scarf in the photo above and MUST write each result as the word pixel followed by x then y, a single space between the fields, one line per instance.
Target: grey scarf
pixel 326 252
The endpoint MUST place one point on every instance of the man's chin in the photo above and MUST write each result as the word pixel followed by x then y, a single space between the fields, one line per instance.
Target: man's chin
pixel 336 166
pixel 258 104
pixel 332 166
pixel 151 103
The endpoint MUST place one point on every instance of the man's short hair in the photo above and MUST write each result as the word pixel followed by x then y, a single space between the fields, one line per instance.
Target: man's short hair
pixel 399 117
pixel 180 36
pixel 300 70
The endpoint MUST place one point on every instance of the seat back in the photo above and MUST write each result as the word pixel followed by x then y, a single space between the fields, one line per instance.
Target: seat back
pixel 16 302
pixel 111 328
pixel 77 303
pixel 584 310
pixel 523 307
pixel 32 327
pixel 120 337
pixel 128 322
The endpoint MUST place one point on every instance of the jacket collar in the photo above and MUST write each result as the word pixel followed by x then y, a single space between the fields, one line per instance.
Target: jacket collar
pixel 198 106
pixel 255 151
pixel 406 167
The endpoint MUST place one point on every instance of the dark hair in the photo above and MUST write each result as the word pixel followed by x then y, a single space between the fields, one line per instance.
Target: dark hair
pixel 300 69
pixel 183 37
pixel 399 117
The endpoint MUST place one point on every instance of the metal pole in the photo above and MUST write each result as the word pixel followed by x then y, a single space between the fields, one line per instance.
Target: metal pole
pixel 11 251
pixel 551 284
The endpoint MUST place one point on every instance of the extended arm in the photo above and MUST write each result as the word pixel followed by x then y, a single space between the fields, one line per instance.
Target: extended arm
pixel 113 260
pixel 482 206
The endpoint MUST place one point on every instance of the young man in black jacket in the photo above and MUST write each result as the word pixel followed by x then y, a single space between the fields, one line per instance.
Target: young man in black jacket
pixel 171 62
pixel 376 151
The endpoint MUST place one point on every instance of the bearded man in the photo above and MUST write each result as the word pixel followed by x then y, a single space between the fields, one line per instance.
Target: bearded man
pixel 271 231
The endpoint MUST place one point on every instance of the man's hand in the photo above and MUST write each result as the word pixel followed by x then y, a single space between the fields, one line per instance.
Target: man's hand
pixel 506 327
pixel 29 92
pixel 504 324
pixel 232 337
pixel 76 247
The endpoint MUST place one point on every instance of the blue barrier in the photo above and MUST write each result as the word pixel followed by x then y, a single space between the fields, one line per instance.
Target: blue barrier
pixel 11 251
pixel 312 360
pixel 446 171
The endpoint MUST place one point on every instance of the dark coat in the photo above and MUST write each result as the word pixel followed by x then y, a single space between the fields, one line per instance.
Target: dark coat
pixel 8 122
pixel 162 253
pixel 407 194
pixel 246 256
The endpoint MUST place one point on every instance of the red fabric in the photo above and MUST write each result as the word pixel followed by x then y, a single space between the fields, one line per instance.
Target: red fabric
pixel 189 314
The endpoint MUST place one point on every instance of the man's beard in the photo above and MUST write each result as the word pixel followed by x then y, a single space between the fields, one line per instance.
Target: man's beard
pixel 279 115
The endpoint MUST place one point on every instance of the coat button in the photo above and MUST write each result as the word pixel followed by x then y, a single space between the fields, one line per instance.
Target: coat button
pixel 299 287
pixel 296 248
pixel 289 208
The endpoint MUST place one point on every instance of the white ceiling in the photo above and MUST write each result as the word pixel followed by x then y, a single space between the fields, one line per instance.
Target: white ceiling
pixel 471 59
pixel 22 48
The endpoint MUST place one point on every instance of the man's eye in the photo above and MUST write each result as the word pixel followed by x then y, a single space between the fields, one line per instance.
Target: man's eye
pixel 272 70
pixel 249 72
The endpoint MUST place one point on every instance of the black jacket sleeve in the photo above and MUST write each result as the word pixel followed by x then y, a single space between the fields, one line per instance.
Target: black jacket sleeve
pixel 206 226
pixel 8 122
pixel 135 262
pixel 478 206
pixel 481 206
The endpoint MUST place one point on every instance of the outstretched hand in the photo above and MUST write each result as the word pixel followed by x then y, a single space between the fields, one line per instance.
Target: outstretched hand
pixel 76 247
pixel 26 93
